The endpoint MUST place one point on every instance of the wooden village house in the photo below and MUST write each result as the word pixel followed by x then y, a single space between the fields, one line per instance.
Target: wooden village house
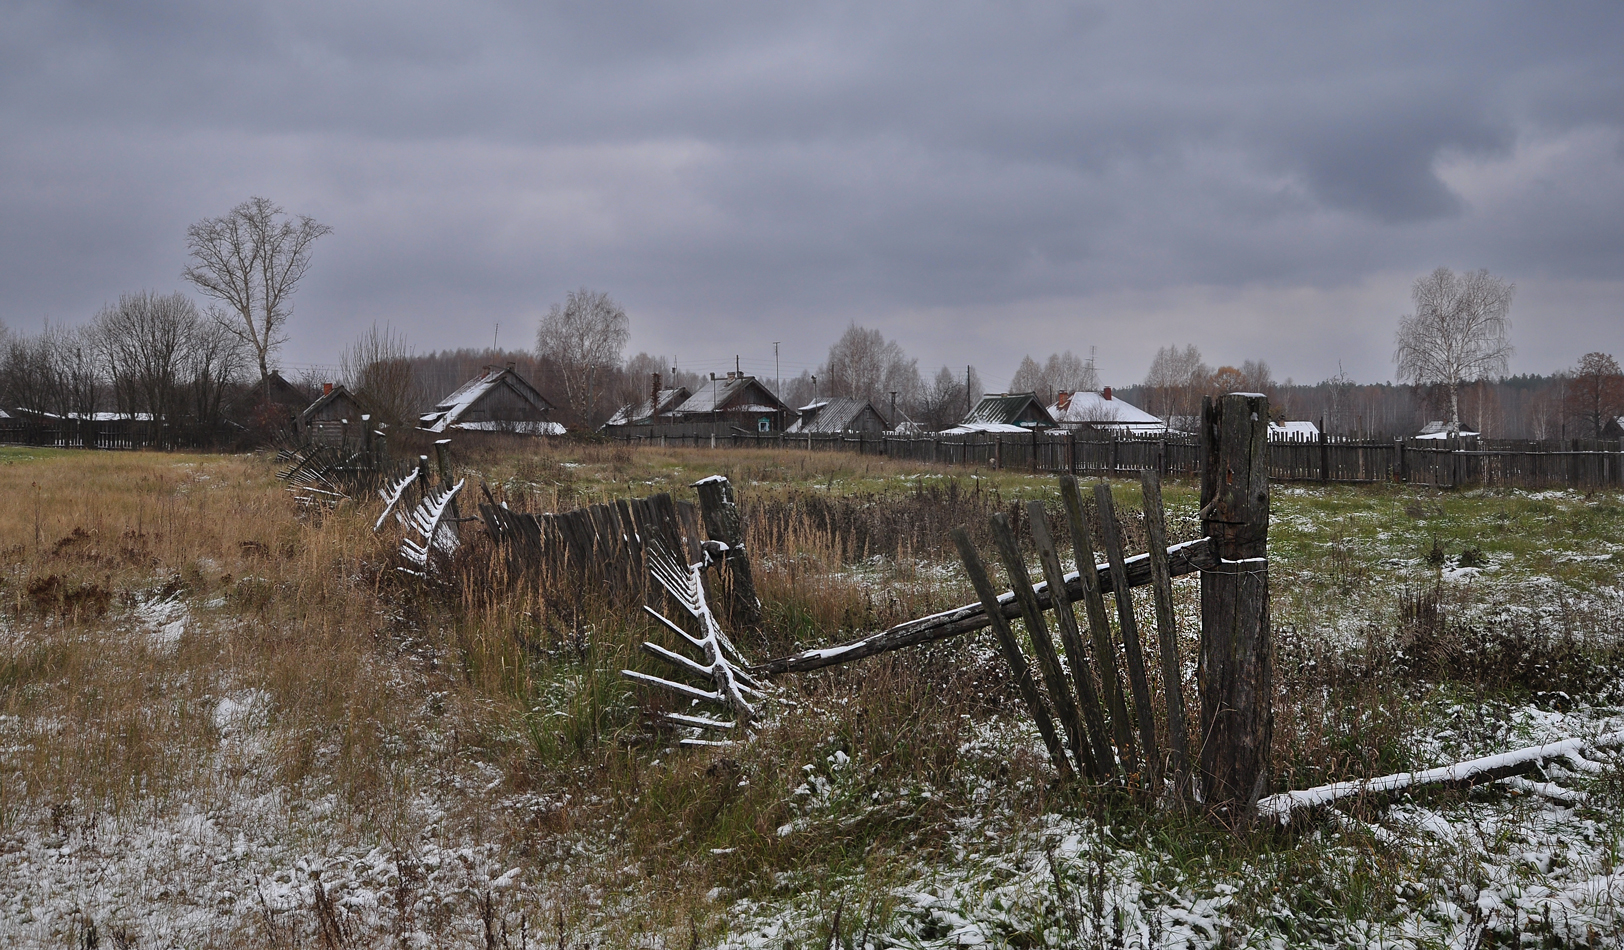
pixel 737 401
pixel 839 414
pixel 497 400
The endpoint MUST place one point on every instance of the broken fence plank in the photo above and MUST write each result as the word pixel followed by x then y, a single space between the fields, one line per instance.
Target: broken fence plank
pixel 681 689
pixel 1143 706
pixel 1161 584
pixel 1183 559
pixel 1099 627
pixel 1281 807
pixel 1054 678
pixel 1012 649
pixel 1071 639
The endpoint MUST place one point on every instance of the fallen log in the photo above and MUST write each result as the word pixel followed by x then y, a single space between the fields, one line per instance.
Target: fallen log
pixel 1489 768
pixel 1186 558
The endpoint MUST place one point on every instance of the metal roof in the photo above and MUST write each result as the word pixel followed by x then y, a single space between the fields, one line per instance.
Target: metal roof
pixel 1005 408
pixel 833 415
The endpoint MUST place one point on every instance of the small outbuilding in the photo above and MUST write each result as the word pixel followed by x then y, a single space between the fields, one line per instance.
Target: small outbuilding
pixel 1614 429
pixel 497 400
pixel 1440 431
pixel 332 419
pixel 839 414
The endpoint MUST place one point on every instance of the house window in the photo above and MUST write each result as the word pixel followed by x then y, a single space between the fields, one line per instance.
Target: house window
pixel 764 424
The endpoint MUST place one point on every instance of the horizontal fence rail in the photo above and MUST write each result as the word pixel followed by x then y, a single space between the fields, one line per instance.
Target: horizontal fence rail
pixel 1443 463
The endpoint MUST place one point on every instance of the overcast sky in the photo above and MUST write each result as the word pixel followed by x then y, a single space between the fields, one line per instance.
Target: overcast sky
pixel 976 180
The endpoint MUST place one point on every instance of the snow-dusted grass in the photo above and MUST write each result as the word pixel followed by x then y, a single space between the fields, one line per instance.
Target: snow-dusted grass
pixel 223 726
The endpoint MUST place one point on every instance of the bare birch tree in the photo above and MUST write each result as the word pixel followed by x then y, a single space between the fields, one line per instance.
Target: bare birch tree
pixel 865 365
pixel 1176 381
pixel 1457 333
pixel 584 339
pixel 1061 372
pixel 251 259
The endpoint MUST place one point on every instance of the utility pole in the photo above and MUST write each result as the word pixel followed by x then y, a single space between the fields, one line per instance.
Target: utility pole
pixel 893 408
pixel 736 370
pixel 777 383
pixel 496 333
pixel 814 390
pixel 967 390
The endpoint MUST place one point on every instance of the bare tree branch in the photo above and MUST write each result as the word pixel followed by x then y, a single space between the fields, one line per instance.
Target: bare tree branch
pixel 251 259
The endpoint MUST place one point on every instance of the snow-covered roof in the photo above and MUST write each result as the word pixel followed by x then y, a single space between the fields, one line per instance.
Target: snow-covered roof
pixel 449 410
pixel 973 428
pixel 517 428
pixel 1293 429
pixel 1440 430
pixel 1098 409
pixel 643 412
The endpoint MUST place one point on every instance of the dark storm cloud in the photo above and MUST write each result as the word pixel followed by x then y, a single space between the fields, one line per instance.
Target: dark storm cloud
pixel 774 170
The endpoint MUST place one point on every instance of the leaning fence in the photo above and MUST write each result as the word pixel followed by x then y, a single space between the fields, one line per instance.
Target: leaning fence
pixel 1443 463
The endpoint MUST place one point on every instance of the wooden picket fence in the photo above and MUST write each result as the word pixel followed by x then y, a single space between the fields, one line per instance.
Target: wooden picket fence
pixel 1448 463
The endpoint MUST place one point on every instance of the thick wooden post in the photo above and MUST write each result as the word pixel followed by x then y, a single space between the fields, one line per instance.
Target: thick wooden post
pixel 723 523
pixel 1236 671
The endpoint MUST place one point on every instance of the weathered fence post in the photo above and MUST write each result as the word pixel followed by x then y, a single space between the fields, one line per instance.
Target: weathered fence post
pixel 1236 670
pixel 1325 454
pixel 723 523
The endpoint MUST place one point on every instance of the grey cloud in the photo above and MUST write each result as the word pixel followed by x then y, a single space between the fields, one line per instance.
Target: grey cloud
pixel 801 162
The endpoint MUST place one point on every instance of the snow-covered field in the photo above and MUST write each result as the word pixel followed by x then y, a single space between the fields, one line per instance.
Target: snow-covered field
pixel 491 817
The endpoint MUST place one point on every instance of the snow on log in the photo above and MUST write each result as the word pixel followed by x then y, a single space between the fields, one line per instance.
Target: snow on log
pixel 1281 807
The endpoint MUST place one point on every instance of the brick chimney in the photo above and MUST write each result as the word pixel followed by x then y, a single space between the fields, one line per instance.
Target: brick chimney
pixel 326 389
pixel 1105 393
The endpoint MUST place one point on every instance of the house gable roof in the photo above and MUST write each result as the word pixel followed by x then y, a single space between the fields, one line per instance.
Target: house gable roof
pixel 739 394
pixel 838 414
pixel 1008 409
pixel 643 412
pixel 328 398
pixel 449 411
pixel 1093 408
